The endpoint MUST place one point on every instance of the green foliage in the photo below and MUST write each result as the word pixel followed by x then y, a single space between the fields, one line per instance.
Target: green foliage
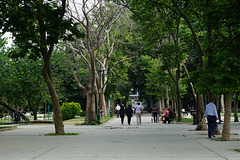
pixel 69 110
pixel 20 80
pixel 222 57
pixel 40 24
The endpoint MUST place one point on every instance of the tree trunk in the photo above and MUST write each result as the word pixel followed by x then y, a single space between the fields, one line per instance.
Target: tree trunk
pixel 222 103
pixel 159 104
pixel 173 99
pixel 103 105
pixel 179 102
pixel 236 108
pixel 167 97
pixel 35 110
pixel 89 114
pixel 59 127
pixel 94 107
pixel 163 103
pixel 35 115
pixel 179 105
pixel 200 113
pixel 227 117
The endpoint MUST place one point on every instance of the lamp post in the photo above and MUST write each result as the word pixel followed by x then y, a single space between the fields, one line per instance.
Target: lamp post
pixel 99 90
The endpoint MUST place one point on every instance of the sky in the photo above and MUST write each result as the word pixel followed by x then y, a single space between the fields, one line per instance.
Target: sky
pixel 9 39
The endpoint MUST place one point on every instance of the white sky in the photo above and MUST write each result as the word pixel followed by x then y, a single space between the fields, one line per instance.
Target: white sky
pixel 8 36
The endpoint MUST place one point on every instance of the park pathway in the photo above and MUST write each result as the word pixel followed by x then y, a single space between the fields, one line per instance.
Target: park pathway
pixel 115 141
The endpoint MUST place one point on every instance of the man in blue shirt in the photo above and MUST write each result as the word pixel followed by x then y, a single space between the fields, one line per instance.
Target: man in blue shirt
pixel 212 116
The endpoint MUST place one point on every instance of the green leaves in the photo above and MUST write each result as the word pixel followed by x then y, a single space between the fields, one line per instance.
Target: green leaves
pixel 36 25
pixel 20 80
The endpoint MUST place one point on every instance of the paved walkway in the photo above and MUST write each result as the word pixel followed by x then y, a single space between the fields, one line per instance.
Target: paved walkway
pixel 115 141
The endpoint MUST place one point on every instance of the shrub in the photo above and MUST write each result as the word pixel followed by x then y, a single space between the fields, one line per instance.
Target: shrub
pixel 70 110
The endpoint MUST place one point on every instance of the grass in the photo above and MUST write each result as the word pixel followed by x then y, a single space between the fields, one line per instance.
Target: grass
pixel 6 128
pixel 220 139
pixel 75 119
pixel 64 134
pixel 232 114
pixel 185 120
pixel 238 150
pixel 92 123
pixel 103 120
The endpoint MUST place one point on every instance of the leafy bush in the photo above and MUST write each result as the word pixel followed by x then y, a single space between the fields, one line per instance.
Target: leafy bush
pixel 70 110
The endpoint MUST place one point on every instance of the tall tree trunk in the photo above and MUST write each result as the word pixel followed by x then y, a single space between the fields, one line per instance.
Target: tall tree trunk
pixel 222 103
pixel 103 105
pixel 35 110
pixel 173 99
pixel 59 127
pixel 167 97
pixel 163 102
pixel 236 108
pixel 179 102
pixel 159 104
pixel 94 107
pixel 89 114
pixel 227 117
pixel 200 117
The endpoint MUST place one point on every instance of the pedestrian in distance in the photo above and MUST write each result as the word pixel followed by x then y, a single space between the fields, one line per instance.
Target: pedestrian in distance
pixel 139 112
pixel 118 110
pixel 129 113
pixel 122 113
pixel 212 117
pixel 155 113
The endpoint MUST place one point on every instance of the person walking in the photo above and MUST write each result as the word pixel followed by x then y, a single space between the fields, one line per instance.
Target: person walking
pixel 139 112
pixel 212 117
pixel 118 110
pixel 129 113
pixel 122 113
pixel 155 113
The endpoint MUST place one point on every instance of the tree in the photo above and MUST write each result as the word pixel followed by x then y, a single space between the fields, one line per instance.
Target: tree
pixel 41 25
pixel 101 24
pixel 223 59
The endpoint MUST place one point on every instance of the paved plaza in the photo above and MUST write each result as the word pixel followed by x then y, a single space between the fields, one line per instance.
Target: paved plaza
pixel 115 141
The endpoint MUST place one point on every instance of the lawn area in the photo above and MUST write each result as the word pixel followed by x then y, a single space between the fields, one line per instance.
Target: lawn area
pixel 80 121
pixel 75 120
pixel 185 120
pixel 232 114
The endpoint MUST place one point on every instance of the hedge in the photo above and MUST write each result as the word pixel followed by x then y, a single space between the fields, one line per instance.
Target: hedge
pixel 70 110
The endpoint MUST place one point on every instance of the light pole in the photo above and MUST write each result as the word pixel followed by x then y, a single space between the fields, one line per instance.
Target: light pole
pixel 99 90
